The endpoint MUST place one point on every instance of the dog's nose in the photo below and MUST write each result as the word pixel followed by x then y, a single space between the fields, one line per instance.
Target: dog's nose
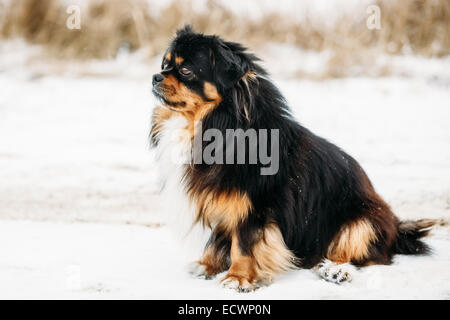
pixel 157 78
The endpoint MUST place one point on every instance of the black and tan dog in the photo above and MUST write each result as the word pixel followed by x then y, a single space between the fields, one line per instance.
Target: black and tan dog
pixel 318 211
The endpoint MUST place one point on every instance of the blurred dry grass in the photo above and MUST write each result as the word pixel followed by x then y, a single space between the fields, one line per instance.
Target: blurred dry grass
pixel 422 26
pixel 418 26
pixel 106 26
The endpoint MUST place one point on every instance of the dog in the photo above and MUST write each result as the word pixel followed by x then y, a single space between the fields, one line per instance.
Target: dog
pixel 319 209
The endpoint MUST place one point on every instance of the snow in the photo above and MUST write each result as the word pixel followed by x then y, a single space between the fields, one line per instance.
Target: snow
pixel 80 213
pixel 49 260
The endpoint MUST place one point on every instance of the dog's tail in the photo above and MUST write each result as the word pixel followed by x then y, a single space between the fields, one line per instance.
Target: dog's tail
pixel 409 233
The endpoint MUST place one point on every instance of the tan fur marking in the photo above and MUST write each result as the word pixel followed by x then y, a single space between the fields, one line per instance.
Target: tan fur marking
pixel 160 114
pixel 168 56
pixel 210 91
pixel 226 209
pixel 212 262
pixel 248 76
pixel 243 268
pixel 268 257
pixel 247 116
pixel 179 60
pixel 352 242
pixel 195 107
pixel 271 254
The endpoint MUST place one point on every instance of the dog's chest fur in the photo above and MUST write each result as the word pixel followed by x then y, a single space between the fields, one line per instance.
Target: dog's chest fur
pixel 173 154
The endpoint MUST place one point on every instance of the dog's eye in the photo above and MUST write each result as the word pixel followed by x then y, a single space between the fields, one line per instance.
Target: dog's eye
pixel 185 71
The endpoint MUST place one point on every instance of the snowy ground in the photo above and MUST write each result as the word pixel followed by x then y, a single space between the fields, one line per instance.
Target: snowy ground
pixel 82 260
pixel 79 210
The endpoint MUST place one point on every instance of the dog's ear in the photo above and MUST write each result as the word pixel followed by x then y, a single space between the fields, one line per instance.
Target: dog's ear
pixel 228 63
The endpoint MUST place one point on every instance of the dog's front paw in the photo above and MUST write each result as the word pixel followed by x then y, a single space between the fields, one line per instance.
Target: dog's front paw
pixel 239 284
pixel 337 273
pixel 199 270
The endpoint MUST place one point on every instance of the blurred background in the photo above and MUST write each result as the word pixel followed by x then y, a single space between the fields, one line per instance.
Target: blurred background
pixel 339 30
pixel 372 76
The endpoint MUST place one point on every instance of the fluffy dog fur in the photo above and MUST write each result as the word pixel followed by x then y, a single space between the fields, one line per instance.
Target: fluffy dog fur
pixel 320 207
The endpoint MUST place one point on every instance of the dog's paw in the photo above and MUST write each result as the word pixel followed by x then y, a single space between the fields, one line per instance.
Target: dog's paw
pixel 239 284
pixel 336 273
pixel 198 270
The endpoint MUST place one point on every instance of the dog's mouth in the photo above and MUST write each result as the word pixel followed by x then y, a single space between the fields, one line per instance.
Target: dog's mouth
pixel 159 93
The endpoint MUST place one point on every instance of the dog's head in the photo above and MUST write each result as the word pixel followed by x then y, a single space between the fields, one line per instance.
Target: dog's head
pixel 198 70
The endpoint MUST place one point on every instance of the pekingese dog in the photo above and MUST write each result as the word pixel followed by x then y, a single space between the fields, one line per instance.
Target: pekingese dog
pixel 275 196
